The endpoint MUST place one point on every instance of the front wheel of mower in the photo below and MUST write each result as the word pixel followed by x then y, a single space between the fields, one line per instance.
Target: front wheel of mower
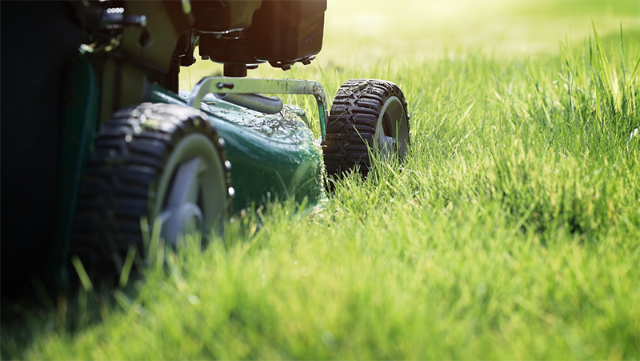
pixel 368 118
pixel 161 162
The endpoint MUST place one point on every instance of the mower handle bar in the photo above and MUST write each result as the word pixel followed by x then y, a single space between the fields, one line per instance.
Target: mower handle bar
pixel 228 85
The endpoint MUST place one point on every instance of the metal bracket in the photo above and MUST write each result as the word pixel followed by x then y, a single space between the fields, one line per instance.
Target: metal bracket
pixel 221 85
pixel 254 101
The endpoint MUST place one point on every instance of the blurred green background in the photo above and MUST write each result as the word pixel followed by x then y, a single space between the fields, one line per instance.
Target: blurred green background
pixel 425 28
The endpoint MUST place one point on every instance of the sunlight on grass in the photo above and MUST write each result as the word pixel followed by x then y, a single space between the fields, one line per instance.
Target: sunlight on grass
pixel 511 231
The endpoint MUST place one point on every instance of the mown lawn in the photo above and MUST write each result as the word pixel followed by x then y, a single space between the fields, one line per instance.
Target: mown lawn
pixel 512 231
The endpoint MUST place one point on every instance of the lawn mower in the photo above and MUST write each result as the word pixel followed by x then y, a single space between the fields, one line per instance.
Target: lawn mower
pixel 99 143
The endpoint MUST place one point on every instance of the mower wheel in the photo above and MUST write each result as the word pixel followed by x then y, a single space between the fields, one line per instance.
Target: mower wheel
pixel 368 118
pixel 159 161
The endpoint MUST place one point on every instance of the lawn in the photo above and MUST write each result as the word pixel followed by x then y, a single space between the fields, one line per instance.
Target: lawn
pixel 511 231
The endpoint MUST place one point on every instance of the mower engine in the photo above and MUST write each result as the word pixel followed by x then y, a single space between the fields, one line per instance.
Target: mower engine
pixel 243 34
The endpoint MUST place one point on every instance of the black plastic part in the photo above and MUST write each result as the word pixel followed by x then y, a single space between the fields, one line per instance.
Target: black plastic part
pixel 288 31
pixel 352 124
pixel 209 15
pixel 235 70
pixel 171 80
pixel 227 51
pixel 34 102
pixel 185 49
pixel 222 15
pixel 117 187
pixel 187 61
pixel 93 17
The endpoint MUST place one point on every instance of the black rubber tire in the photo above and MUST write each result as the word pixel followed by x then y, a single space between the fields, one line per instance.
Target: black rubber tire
pixel 352 123
pixel 118 185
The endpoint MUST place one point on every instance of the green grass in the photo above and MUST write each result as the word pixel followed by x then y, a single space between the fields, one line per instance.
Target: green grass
pixel 512 231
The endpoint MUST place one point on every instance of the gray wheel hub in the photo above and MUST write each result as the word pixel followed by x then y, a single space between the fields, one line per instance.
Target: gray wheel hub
pixel 191 195
pixel 395 138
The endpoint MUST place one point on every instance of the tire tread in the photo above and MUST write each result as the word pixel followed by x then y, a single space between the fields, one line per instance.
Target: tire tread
pixel 351 124
pixel 116 188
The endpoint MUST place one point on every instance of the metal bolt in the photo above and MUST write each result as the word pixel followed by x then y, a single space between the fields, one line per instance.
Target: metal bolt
pixel 224 85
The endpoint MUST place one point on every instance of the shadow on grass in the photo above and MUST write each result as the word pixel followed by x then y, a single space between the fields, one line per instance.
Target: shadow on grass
pixel 37 314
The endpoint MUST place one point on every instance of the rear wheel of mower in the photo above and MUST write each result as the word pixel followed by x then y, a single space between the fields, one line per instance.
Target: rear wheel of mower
pixel 159 161
pixel 368 117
